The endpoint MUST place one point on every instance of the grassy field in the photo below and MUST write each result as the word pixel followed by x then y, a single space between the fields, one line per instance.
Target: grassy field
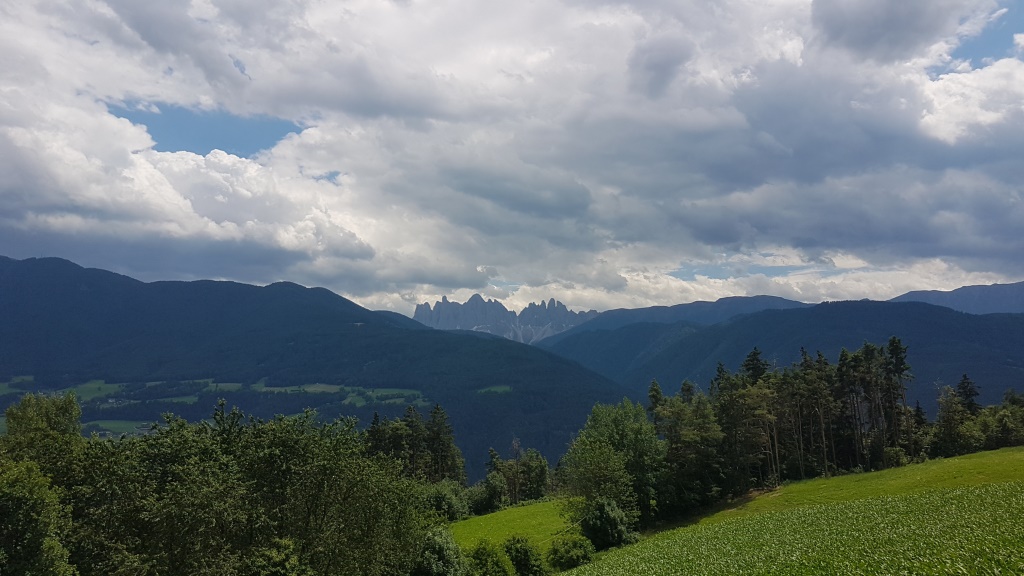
pixel 981 468
pixel 967 530
pixel 951 516
pixel 954 516
pixel 118 427
pixel 539 522
pixel 94 389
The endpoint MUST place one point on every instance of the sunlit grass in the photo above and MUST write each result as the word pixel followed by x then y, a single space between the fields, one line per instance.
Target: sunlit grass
pixel 981 468
pixel 93 389
pixel 951 516
pixel 118 427
pixel 968 530
pixel 539 522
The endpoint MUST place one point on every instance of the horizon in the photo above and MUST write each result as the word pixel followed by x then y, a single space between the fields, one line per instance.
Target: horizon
pixel 543 301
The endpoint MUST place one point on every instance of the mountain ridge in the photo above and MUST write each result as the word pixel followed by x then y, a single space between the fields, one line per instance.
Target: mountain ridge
pixel 66 325
pixel 534 323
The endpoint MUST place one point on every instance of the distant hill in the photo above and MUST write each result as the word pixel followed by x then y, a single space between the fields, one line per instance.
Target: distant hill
pixel 534 323
pixel 64 325
pixel 942 345
pixel 696 313
pixel 989 299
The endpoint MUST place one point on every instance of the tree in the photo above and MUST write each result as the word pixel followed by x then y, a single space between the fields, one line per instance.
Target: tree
pixel 446 460
pixel 956 431
pixel 967 392
pixel 46 430
pixel 693 439
pixel 593 470
pixel 625 431
pixel 32 523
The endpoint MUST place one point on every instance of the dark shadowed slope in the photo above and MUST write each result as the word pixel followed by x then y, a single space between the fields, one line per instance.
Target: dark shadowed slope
pixel 697 313
pixel 943 344
pixel 65 324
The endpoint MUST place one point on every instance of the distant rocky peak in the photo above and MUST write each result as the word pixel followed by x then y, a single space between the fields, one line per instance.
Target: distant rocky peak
pixel 536 322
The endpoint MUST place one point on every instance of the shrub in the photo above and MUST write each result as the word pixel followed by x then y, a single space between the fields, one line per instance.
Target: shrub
pixel 569 551
pixel 488 559
pixel 895 457
pixel 448 499
pixel 441 556
pixel 606 525
pixel 525 557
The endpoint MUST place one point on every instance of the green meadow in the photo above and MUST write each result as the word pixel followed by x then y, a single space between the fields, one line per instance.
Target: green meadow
pixel 540 522
pixel 947 516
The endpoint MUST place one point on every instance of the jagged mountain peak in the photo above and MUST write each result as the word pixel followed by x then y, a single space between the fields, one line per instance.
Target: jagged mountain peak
pixel 536 322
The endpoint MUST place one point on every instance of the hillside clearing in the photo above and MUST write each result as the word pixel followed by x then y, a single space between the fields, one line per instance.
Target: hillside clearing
pixel 539 522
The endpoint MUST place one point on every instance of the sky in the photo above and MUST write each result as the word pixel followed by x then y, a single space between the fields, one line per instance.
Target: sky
pixel 606 154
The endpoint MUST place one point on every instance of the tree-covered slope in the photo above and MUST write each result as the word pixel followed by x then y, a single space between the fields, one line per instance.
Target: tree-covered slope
pixel 942 345
pixel 65 325
pixel 696 313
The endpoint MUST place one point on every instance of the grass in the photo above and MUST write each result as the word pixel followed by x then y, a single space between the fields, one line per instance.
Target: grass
pixel 539 522
pixel 93 389
pixel 952 516
pixel 981 468
pixel 119 427
pixel 182 399
pixel 6 388
pixel 223 387
pixel 322 388
pixel 948 516
pixel 968 530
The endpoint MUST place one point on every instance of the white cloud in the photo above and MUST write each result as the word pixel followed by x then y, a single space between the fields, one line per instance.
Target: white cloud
pixel 586 151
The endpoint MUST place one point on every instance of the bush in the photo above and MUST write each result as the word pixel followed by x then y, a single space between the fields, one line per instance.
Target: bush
pixel 448 499
pixel 606 525
pixel 895 457
pixel 525 557
pixel 569 551
pixel 488 559
pixel 441 556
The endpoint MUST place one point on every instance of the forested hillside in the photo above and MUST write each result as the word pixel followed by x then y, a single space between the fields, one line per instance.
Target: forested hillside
pixel 941 344
pixel 165 347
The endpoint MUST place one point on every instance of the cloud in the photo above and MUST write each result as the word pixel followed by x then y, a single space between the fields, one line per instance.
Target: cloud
pixel 607 154
pixel 885 30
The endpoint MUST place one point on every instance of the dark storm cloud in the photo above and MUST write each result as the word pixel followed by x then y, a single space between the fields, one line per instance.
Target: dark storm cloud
pixel 887 30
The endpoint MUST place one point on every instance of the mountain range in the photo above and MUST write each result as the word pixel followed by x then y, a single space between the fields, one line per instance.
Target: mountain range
pixel 535 323
pixel 64 325
pixel 150 348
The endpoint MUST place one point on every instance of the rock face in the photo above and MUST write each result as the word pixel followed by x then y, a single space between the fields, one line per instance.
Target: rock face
pixel 533 324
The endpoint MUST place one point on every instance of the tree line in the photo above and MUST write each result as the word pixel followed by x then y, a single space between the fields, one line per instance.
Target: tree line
pixel 632 466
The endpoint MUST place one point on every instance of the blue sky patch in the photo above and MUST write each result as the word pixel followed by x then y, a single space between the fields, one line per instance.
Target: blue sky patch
pixel 996 41
pixel 179 129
